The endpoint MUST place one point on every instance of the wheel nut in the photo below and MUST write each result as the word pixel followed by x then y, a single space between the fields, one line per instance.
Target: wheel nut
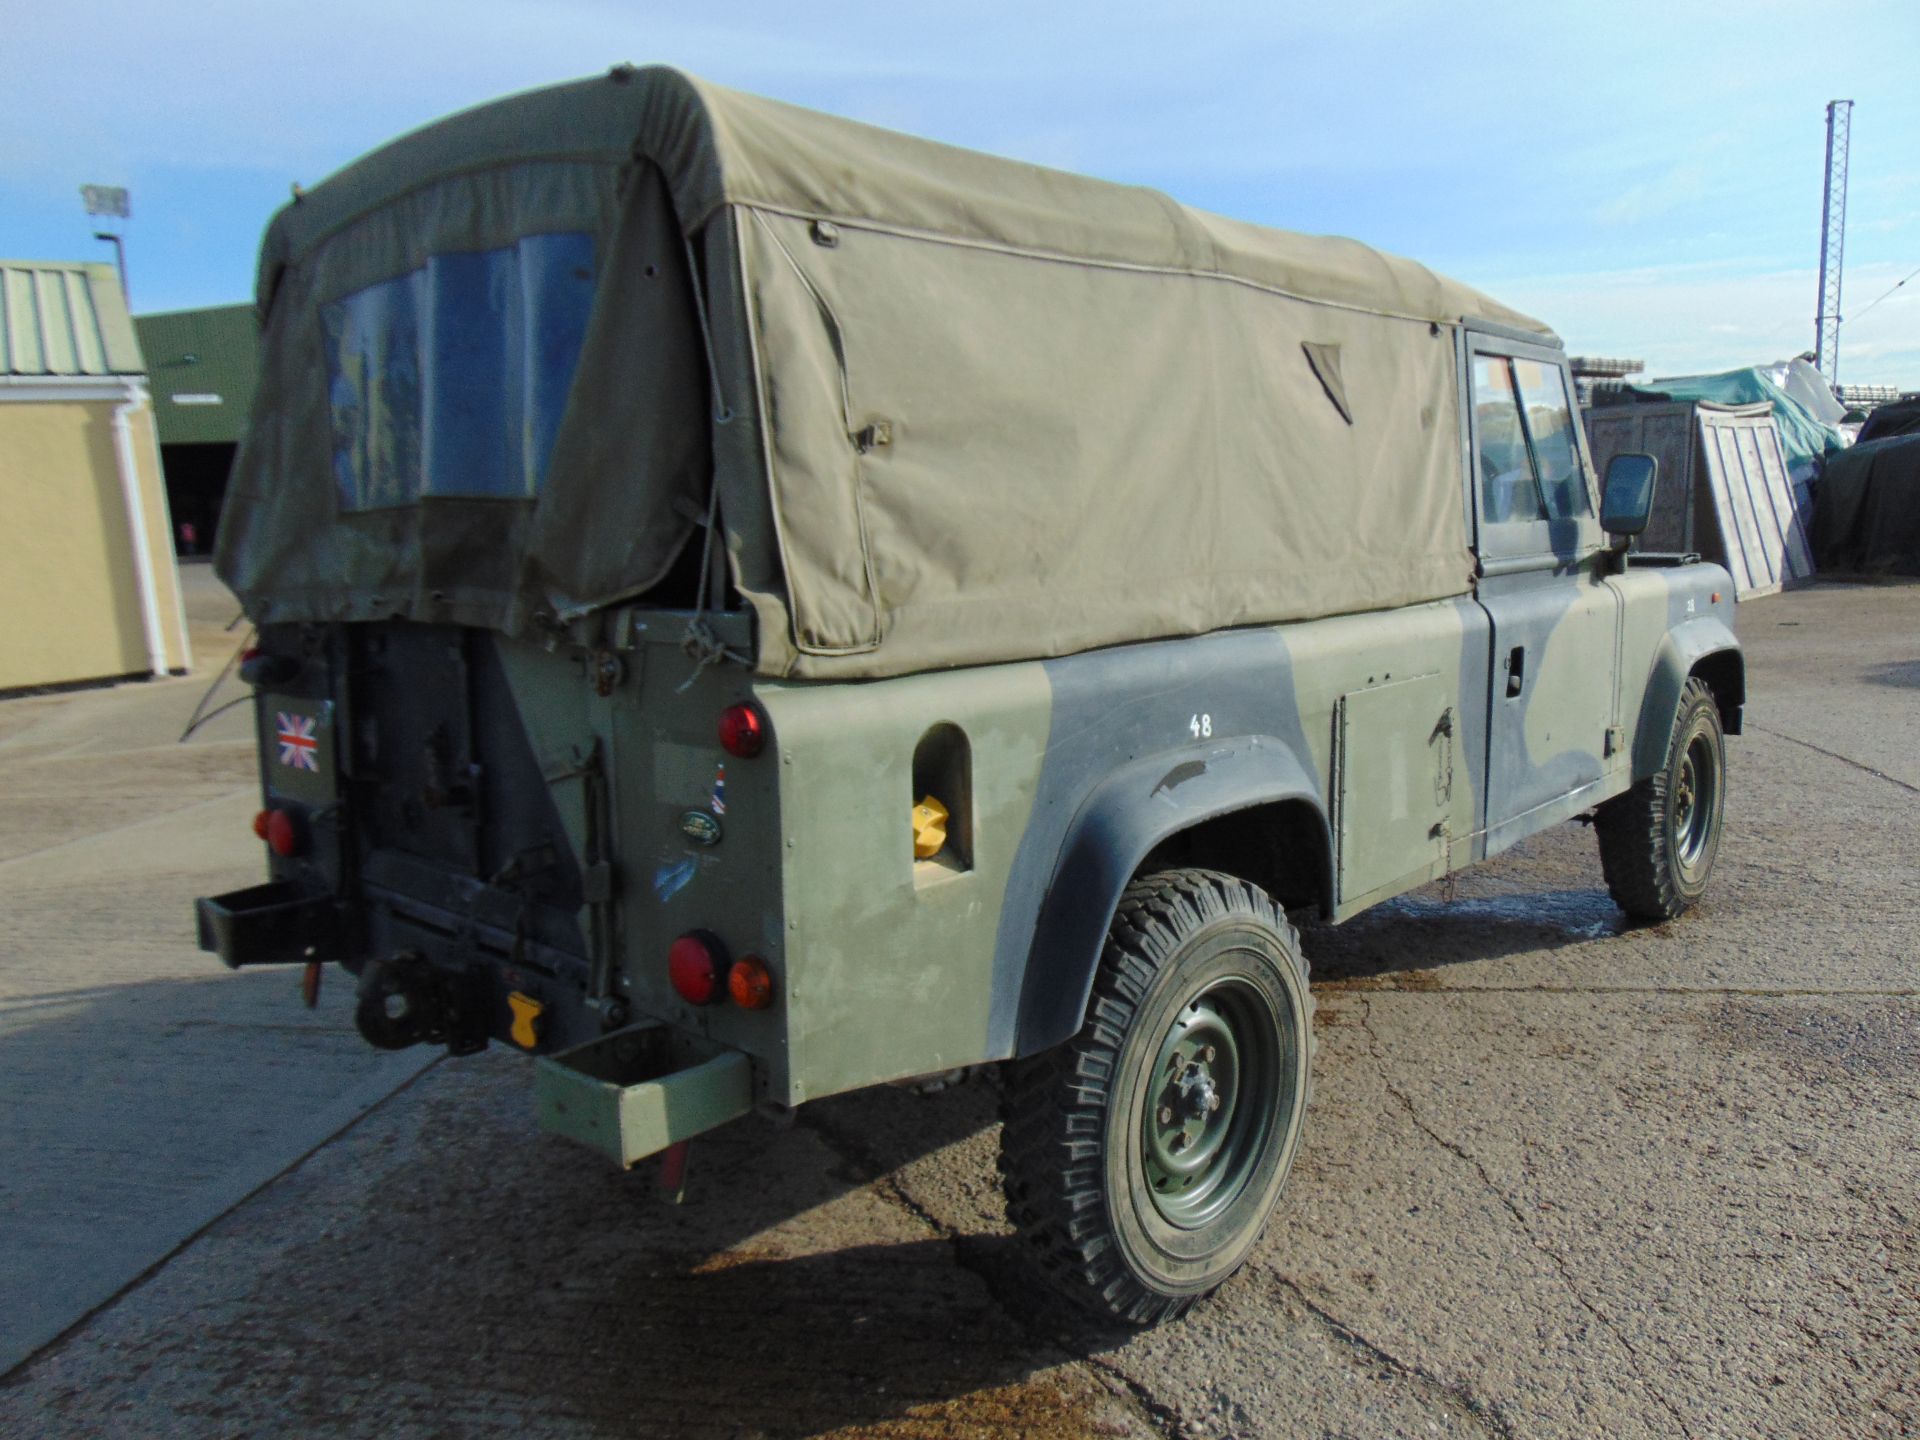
pixel 1207 1054
pixel 1166 1114
pixel 1213 1103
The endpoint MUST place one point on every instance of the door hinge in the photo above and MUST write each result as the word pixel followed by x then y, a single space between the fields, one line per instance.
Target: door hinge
pixel 1616 740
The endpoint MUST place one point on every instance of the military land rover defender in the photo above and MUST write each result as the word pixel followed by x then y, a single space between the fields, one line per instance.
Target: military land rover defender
pixel 751 606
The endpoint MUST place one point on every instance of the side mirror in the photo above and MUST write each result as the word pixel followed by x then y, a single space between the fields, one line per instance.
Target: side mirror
pixel 1627 500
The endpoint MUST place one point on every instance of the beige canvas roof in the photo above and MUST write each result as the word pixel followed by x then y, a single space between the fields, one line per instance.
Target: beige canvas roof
pixel 956 408
pixel 719 147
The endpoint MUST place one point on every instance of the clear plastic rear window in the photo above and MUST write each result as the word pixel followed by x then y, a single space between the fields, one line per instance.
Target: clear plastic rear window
pixel 451 379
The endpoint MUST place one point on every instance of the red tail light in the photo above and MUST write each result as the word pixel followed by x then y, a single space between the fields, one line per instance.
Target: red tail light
pixel 260 823
pixel 285 834
pixel 697 966
pixel 743 730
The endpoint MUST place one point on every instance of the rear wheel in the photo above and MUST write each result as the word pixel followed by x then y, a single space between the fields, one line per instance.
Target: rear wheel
pixel 1142 1158
pixel 1659 840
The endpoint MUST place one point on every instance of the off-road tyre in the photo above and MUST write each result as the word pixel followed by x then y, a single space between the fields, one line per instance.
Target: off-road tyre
pixel 1658 841
pixel 1201 980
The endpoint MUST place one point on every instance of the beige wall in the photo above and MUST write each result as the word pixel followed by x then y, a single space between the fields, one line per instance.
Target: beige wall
pixel 69 593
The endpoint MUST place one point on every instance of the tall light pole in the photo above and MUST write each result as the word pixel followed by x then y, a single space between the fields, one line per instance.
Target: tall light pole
pixel 119 259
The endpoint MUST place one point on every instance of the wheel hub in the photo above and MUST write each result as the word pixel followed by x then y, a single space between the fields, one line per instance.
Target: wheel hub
pixel 1199 1096
pixel 1695 785
pixel 1684 796
pixel 1198 1140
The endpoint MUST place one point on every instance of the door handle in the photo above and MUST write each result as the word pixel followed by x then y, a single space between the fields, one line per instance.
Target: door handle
pixel 1516 670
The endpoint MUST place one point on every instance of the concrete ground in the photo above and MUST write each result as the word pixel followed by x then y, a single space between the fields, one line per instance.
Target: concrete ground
pixel 1560 1178
pixel 146 1091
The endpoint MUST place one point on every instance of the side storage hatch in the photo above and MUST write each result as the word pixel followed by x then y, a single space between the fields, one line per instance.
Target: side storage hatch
pixel 1393 785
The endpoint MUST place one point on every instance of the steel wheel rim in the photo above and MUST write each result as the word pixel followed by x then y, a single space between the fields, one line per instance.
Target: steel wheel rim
pixel 1696 796
pixel 1212 1103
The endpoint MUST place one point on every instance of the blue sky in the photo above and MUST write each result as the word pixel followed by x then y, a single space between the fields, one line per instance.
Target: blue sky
pixel 1644 177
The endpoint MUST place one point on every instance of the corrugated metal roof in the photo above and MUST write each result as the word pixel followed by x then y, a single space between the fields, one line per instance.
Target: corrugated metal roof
pixel 203 365
pixel 60 318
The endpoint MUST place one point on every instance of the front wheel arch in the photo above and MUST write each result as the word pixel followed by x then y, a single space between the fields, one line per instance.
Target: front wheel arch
pixel 1658 841
pixel 1703 649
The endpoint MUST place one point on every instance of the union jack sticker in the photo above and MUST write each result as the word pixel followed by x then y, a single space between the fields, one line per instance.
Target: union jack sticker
pixel 299 750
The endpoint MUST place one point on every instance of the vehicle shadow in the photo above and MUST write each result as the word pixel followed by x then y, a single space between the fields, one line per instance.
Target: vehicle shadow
pixel 1903 675
pixel 1403 941
pixel 450 1256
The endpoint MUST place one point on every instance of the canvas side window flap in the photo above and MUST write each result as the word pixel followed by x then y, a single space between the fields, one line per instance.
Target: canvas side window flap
pixel 451 380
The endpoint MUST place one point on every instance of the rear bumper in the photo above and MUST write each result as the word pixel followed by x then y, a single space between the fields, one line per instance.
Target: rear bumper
pixel 633 1093
pixel 272 924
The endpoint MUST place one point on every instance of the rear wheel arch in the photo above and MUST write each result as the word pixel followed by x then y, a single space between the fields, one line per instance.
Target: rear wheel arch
pixel 1283 846
pixel 1255 814
pixel 1142 1158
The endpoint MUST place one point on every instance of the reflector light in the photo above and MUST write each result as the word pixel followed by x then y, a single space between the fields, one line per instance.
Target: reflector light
pixel 695 964
pixel 750 983
pixel 283 833
pixel 260 823
pixel 743 730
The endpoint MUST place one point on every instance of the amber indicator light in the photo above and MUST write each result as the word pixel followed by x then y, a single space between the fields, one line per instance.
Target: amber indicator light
pixel 750 983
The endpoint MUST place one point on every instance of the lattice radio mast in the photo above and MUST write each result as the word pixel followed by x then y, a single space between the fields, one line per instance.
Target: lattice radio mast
pixel 1833 241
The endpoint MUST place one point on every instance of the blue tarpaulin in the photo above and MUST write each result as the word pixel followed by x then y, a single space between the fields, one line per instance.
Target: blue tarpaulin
pixel 1803 436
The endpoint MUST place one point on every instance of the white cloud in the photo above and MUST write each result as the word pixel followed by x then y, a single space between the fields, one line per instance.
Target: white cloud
pixel 1692 319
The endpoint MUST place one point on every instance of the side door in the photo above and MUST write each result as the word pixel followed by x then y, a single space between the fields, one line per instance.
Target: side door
pixel 1551 731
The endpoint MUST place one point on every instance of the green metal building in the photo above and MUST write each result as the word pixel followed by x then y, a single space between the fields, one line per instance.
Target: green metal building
pixel 202 366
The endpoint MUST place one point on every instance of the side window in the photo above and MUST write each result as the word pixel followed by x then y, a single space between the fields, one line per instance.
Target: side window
pixel 1543 401
pixel 1508 490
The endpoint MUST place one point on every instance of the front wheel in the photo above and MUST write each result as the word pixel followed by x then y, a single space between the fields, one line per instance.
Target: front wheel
pixel 1142 1158
pixel 1658 841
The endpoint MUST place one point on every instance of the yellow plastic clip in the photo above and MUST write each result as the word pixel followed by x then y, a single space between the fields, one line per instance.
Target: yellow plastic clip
pixel 526 1010
pixel 929 828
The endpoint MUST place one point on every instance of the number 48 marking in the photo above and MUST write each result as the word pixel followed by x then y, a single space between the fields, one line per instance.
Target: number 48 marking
pixel 1201 725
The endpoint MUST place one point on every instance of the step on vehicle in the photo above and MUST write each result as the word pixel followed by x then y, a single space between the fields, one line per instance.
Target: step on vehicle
pixel 752 606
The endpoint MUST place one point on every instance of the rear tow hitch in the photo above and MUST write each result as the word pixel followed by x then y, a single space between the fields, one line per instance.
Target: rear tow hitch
pixel 406 1001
